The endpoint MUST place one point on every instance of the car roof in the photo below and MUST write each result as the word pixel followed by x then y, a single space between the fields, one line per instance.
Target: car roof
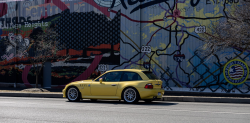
pixel 134 70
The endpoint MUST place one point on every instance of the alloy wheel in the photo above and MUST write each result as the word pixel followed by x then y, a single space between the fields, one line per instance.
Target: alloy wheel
pixel 72 94
pixel 130 95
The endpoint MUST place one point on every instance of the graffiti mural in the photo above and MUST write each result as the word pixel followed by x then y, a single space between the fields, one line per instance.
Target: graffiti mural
pixel 162 36
pixel 16 47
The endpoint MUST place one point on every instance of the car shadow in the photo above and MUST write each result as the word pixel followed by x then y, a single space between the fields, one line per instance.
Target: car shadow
pixel 117 102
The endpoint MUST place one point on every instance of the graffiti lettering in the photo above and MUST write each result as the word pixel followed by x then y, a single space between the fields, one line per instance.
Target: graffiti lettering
pixel 27 24
pixel 141 6
pixel 6 22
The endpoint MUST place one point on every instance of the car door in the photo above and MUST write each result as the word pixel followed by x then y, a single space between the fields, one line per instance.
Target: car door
pixel 109 85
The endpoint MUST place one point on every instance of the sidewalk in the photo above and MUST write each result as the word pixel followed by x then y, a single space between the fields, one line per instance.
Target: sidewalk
pixel 169 96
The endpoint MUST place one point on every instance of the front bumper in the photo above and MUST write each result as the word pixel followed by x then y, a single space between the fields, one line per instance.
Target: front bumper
pixel 64 92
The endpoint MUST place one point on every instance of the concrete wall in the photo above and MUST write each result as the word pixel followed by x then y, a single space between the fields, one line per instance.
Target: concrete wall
pixel 163 36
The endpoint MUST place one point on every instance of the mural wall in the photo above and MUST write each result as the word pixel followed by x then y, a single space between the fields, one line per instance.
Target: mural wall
pixel 163 36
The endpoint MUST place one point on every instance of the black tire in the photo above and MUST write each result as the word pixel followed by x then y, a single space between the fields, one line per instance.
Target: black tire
pixel 73 94
pixel 130 95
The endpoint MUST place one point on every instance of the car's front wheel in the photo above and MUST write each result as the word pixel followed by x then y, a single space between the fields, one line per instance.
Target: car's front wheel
pixel 73 94
pixel 130 95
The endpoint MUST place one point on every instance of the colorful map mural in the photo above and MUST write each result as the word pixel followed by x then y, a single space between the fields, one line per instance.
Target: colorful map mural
pixel 162 36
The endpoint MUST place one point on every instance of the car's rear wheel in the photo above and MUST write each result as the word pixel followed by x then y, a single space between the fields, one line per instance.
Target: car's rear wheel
pixel 73 94
pixel 130 95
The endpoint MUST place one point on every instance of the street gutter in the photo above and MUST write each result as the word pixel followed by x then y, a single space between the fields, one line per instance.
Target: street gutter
pixel 164 98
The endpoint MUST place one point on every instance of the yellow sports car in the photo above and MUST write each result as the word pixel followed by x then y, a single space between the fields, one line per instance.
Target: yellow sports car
pixel 130 85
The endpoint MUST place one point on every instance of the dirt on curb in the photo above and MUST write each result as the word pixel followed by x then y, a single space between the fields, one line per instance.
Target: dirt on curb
pixel 31 90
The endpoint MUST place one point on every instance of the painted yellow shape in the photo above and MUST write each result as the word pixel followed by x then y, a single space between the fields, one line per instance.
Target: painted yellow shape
pixel 31 7
pixel 162 45
pixel 188 63
pixel 154 57
pixel 153 29
pixel 193 74
pixel 144 36
pixel 182 40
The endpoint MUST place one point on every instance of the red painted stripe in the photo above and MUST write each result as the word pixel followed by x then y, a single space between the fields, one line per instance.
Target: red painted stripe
pixel 90 69
pixel 104 10
pixel 60 4
pixel 236 74
pixel 25 75
pixel 3 9
pixel 88 72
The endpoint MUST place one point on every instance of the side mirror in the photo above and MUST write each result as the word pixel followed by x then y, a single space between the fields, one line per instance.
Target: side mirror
pixel 100 80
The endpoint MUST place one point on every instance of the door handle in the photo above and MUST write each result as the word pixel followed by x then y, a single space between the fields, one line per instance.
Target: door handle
pixel 113 85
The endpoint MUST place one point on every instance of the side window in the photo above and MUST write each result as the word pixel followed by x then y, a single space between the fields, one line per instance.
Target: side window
pixel 103 76
pixel 130 76
pixel 111 77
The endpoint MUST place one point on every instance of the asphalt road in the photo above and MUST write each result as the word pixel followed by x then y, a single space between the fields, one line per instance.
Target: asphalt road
pixel 30 110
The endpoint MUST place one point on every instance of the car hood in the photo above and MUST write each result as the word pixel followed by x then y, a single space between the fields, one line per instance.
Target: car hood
pixel 90 80
pixel 76 82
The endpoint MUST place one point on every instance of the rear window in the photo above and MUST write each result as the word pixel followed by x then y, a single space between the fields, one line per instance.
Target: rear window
pixel 130 76
pixel 150 75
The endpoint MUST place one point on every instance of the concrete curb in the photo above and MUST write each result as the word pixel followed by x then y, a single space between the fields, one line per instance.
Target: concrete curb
pixel 206 99
pixel 164 98
pixel 42 95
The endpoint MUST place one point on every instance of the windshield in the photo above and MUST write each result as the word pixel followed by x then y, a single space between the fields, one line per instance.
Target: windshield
pixel 150 75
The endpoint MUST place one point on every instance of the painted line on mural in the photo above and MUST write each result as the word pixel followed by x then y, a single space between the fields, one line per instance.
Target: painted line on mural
pixel 90 69
pixel 104 10
pixel 137 20
pixel 25 75
pixel 160 29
